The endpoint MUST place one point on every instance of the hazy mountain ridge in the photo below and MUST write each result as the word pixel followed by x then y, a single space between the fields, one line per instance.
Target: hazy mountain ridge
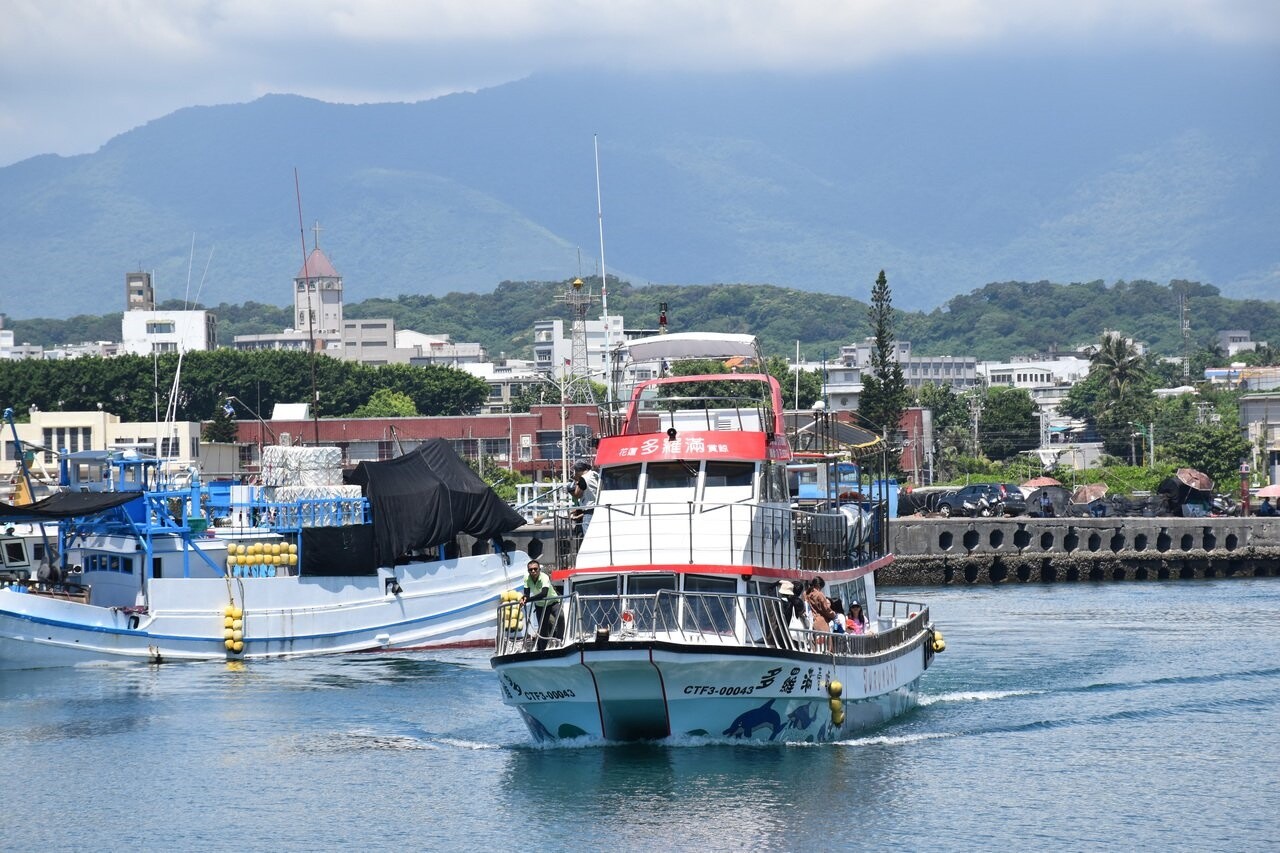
pixel 1111 168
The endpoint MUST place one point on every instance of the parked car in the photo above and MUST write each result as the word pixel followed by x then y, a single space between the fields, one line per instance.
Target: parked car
pixel 982 499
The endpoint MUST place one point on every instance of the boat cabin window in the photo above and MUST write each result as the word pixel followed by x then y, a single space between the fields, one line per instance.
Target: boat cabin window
pixel 596 612
pixel 672 475
pixel 802 482
pixel 727 482
pixel 620 478
pixel 620 487
pixel 775 484
pixel 709 604
pixel 15 555
pixel 653 611
pixel 729 473
pixel 108 563
pixel 670 486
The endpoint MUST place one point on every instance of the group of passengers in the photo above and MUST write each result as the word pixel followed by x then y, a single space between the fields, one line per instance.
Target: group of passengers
pixel 807 602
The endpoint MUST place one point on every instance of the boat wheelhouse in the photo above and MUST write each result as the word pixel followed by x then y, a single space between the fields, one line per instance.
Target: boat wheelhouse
pixel 679 612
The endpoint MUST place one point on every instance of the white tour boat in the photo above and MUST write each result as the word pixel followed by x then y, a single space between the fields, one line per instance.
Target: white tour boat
pixel 674 618
pixel 140 573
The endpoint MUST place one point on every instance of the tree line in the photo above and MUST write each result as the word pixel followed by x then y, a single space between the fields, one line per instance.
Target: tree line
pixel 137 388
pixel 995 322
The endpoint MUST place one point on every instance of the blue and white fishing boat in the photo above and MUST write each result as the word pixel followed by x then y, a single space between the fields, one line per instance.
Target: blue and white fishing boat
pixel 676 616
pixel 138 572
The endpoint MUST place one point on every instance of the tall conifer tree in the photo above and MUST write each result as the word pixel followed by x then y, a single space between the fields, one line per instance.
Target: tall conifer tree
pixel 884 390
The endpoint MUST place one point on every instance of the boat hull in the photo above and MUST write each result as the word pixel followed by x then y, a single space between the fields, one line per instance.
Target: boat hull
pixel 439 604
pixel 649 690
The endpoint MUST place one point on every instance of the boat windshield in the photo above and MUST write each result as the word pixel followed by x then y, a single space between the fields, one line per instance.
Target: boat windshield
pixel 729 473
pixel 672 475
pixel 620 478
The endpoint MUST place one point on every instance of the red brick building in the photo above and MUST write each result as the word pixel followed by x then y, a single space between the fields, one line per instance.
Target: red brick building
pixel 529 442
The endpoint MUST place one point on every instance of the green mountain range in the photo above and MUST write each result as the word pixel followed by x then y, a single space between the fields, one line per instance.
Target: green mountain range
pixel 1116 167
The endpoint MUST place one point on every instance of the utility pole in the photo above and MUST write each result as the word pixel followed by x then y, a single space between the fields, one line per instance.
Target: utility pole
pixel 1185 322
pixel 975 412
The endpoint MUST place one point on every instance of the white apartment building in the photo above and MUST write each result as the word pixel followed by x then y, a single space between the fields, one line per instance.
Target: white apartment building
pixel 148 332
pixel 553 350
pixel 844 376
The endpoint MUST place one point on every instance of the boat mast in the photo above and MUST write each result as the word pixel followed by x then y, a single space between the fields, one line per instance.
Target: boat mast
pixel 313 302
pixel 604 281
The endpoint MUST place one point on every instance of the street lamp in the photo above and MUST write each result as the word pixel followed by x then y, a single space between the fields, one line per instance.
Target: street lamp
pixel 230 411
pixel 820 425
pixel 1148 434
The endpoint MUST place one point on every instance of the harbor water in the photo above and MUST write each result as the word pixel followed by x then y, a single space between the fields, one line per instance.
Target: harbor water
pixel 1061 717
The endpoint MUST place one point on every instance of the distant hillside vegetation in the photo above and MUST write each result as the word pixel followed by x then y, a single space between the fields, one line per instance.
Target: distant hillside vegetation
pixel 996 322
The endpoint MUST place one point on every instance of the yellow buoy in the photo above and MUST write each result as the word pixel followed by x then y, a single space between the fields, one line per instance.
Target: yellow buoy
pixel 837 706
pixel 293 559
pixel 229 644
pixel 237 635
pixel 838 719
pixel 237 623
pixel 236 613
pixel 293 549
pixel 237 647
pixel 228 622
pixel 835 688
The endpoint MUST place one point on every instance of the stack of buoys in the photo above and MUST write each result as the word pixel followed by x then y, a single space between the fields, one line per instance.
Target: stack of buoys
pixel 512 613
pixel 939 644
pixel 233 628
pixel 260 559
pixel 835 690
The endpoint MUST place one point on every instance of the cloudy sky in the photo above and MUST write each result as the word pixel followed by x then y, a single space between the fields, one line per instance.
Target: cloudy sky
pixel 74 73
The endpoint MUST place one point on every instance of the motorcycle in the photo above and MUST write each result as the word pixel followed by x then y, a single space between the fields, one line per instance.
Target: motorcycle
pixel 983 508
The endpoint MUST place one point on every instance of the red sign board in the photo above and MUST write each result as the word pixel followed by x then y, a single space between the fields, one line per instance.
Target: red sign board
pixel 689 444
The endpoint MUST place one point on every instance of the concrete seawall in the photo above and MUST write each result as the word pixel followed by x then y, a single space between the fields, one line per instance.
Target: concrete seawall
pixel 931 551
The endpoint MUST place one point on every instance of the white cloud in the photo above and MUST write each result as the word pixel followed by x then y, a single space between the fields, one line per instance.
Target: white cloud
pixel 75 72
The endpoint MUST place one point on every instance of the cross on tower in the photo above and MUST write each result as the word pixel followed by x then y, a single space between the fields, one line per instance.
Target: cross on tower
pixel 316 229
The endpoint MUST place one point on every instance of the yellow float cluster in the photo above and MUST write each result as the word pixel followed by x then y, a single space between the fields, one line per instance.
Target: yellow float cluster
pixel 939 644
pixel 512 614
pixel 233 628
pixel 260 559
pixel 835 690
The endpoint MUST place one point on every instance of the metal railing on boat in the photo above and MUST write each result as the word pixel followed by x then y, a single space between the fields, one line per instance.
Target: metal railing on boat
pixel 700 619
pixel 737 534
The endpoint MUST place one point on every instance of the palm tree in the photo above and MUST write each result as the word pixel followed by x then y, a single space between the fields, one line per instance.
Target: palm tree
pixel 1125 399
pixel 1120 365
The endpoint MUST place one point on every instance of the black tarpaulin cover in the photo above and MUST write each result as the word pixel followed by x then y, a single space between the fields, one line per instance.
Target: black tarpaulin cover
pixel 427 497
pixel 66 505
